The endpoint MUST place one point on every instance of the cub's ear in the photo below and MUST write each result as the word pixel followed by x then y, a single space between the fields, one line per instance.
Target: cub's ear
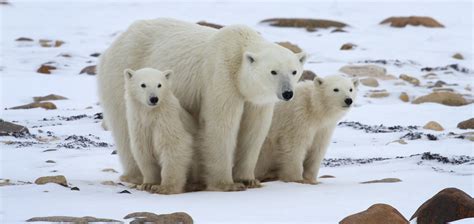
pixel 249 57
pixel 302 57
pixel 318 81
pixel 355 81
pixel 128 73
pixel 168 73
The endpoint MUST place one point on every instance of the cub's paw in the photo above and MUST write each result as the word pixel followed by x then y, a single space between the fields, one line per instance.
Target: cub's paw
pixel 146 187
pixel 227 187
pixel 166 189
pixel 250 183
pixel 131 179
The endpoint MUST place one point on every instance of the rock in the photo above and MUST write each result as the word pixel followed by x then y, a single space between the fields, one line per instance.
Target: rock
pixel 49 97
pixel 439 83
pixel 458 56
pixel 4 2
pixel 51 43
pixel 327 176
pixel 404 97
pixel 307 75
pixel 378 94
pixel 109 170
pixel 148 217
pixel 70 219
pixel 212 25
pixel 412 20
pixel 44 105
pixel 348 46
pixel 410 79
pixel 467 124
pixel 371 82
pixel 24 39
pixel 124 192
pixel 310 24
pixel 75 189
pixel 338 30
pixel 433 125
pixel 50 161
pixel 46 69
pixel 373 71
pixel 445 98
pixel 95 55
pixel 468 135
pixel 292 47
pixel 384 180
pixel 376 214
pixel 443 90
pixel 60 179
pixel 90 70
pixel 8 128
pixel 400 141
pixel 430 75
pixel 448 205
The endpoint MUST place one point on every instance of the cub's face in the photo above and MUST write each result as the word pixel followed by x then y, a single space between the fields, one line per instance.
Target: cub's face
pixel 338 91
pixel 271 74
pixel 147 85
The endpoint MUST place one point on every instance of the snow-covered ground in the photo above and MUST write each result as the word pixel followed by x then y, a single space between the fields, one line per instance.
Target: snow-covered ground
pixel 90 26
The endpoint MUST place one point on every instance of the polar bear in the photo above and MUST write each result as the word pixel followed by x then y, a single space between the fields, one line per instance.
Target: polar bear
pixel 301 130
pixel 228 79
pixel 161 131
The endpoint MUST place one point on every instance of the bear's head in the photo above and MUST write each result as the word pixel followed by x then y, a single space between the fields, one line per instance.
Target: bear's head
pixel 337 92
pixel 147 85
pixel 270 73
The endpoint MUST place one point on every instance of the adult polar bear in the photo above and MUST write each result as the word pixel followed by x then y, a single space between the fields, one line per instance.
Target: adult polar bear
pixel 228 79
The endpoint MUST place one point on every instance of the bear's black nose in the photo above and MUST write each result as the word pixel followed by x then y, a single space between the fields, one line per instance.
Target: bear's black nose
pixel 287 95
pixel 348 101
pixel 153 100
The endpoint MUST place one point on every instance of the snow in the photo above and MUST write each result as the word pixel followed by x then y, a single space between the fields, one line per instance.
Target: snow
pixel 90 26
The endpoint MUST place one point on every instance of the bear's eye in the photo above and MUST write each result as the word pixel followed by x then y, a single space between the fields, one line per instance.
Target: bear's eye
pixel 143 85
pixel 273 72
pixel 350 90
pixel 336 90
pixel 294 72
pixel 159 85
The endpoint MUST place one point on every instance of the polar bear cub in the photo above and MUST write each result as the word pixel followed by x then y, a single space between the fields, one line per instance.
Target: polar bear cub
pixel 160 131
pixel 301 129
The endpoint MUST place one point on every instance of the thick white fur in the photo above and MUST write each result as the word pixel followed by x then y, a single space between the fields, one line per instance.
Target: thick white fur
pixel 301 130
pixel 222 77
pixel 160 134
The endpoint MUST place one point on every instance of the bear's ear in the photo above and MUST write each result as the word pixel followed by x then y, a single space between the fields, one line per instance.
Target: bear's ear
pixel 302 57
pixel 318 81
pixel 128 73
pixel 355 81
pixel 249 57
pixel 168 73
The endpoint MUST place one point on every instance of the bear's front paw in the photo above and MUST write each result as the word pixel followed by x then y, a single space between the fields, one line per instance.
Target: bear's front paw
pixel 305 181
pixel 227 187
pixel 250 183
pixel 166 189
pixel 146 187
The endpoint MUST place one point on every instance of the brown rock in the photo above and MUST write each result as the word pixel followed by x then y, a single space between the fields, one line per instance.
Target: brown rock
pixel 404 97
pixel 373 71
pixel 173 218
pixel 347 46
pixel 433 125
pixel 70 219
pixel 376 214
pixel 412 20
pixel 50 43
pixel 371 82
pixel 292 47
pixel 44 105
pixel 90 70
pixel 467 124
pixel 109 170
pixel 303 23
pixel 410 79
pixel 384 180
pixel 307 75
pixel 48 97
pixel 45 69
pixel 458 56
pixel 439 83
pixel 378 94
pixel 212 25
pixel 443 90
pixel 60 179
pixel 24 39
pixel 448 205
pixel 445 98
pixel 8 128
